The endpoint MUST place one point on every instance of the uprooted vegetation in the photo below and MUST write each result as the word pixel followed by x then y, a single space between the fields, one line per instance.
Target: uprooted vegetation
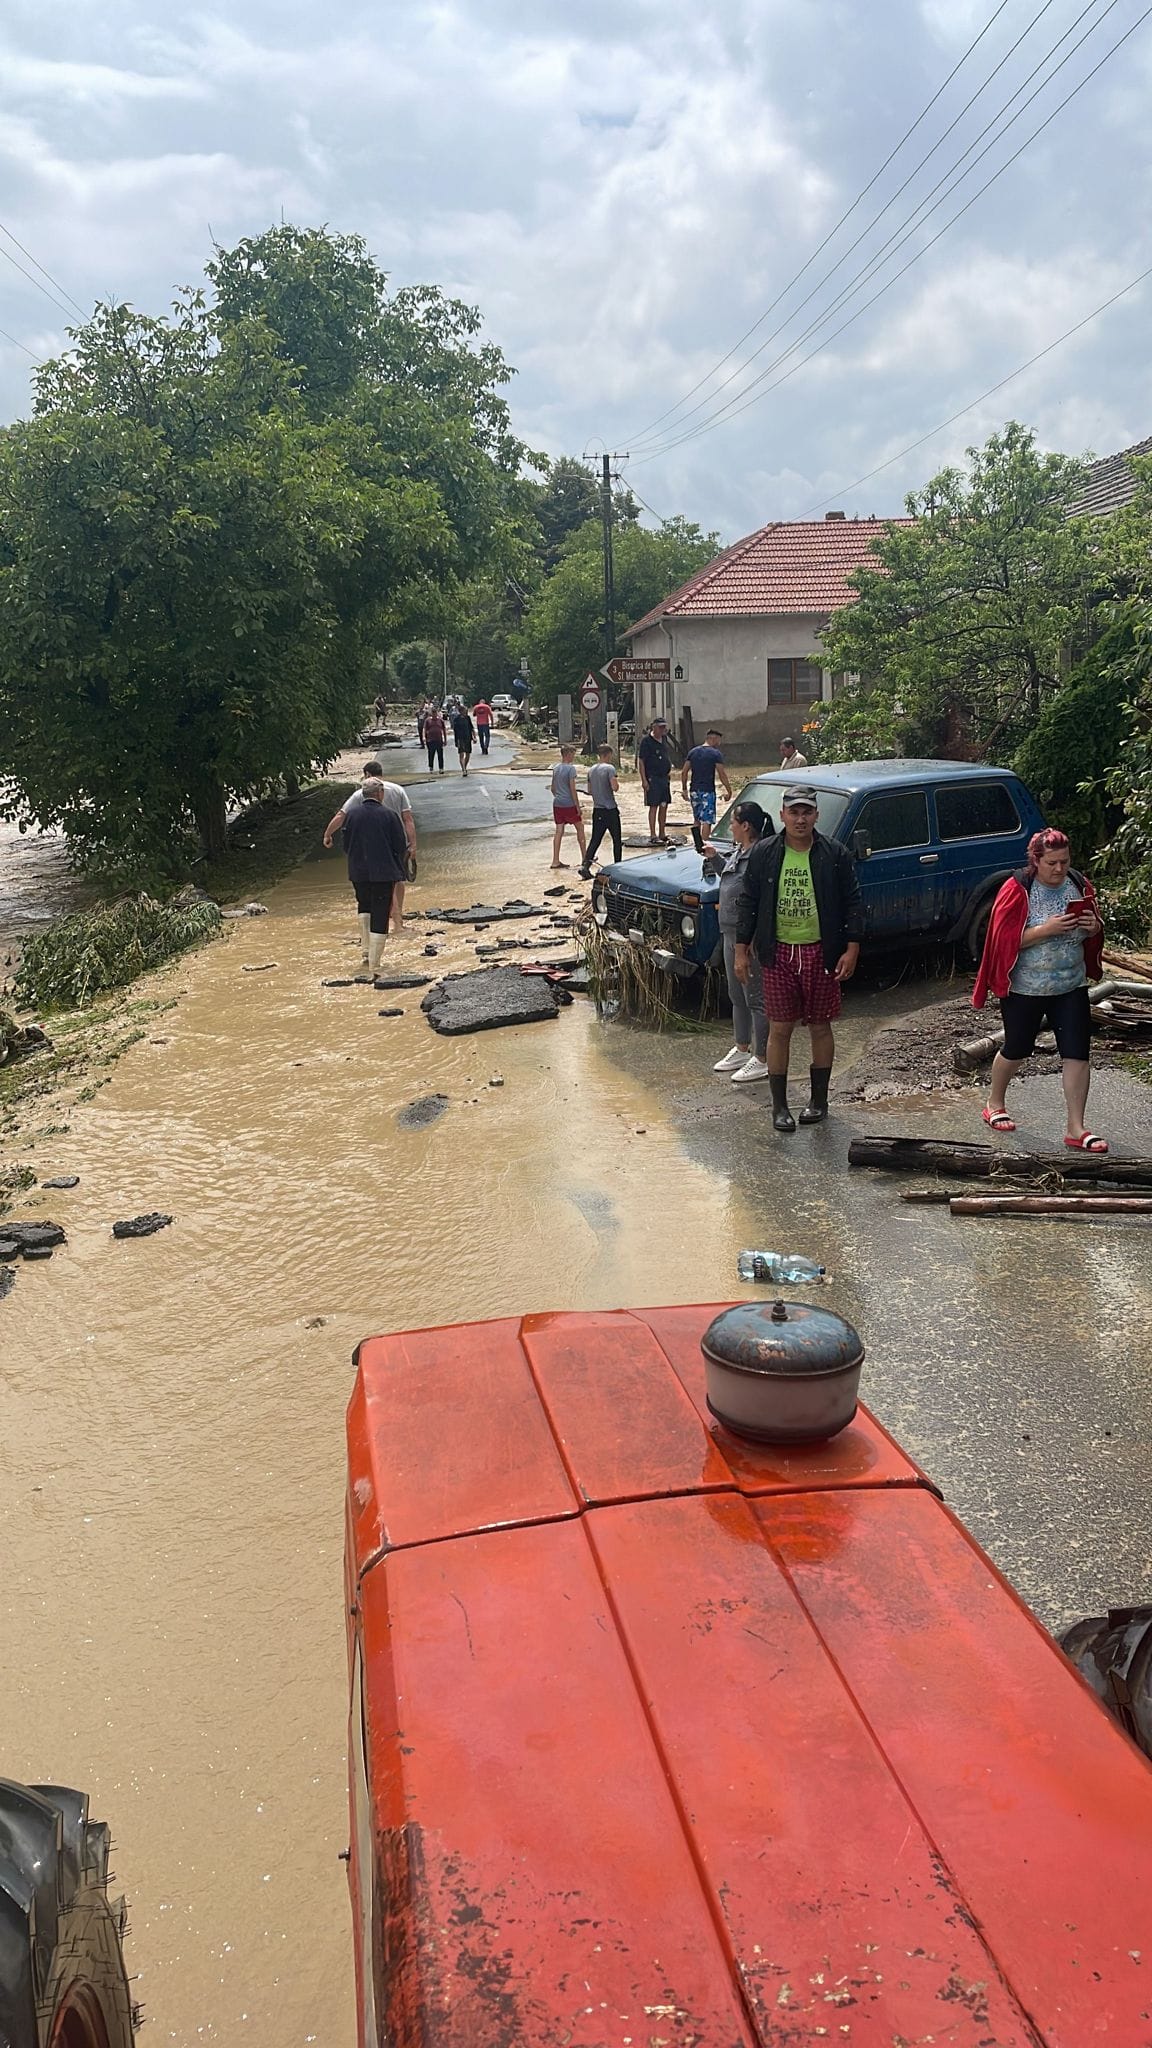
pixel 626 977
pixel 78 958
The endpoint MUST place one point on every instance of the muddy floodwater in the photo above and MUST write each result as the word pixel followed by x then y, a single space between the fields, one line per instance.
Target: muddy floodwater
pixel 171 1410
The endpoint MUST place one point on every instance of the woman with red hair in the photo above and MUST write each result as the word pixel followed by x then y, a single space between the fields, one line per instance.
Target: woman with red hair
pixel 1044 945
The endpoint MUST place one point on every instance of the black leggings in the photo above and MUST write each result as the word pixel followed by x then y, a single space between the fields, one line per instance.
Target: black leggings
pixel 435 755
pixel 605 819
pixel 1069 1018
pixel 375 898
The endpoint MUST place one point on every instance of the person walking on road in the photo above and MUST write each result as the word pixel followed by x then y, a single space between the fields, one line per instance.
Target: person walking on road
pixel 464 733
pixel 377 851
pixel 1045 943
pixel 566 806
pixel 747 1060
pixel 655 764
pixel 435 734
pixel 603 783
pixel 800 904
pixel 701 768
pixel 394 799
pixel 790 757
pixel 484 717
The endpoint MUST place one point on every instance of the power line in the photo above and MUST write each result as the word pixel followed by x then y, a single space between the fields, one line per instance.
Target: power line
pixel 5 336
pixel 834 231
pixel 845 490
pixel 752 396
pixel 40 267
pixel 909 222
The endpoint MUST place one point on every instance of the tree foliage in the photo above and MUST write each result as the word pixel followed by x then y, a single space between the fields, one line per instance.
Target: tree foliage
pixel 563 635
pixel 961 631
pixel 210 526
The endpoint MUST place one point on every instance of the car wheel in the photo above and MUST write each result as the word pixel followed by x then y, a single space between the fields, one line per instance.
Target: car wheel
pixel 62 1976
pixel 976 930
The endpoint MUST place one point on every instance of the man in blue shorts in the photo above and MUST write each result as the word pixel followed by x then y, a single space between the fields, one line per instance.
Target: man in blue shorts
pixel 698 783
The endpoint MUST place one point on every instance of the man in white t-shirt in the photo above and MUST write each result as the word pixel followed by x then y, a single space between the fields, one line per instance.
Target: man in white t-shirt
pixel 394 799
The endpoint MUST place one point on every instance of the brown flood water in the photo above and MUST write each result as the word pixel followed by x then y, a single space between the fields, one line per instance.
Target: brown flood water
pixel 171 1447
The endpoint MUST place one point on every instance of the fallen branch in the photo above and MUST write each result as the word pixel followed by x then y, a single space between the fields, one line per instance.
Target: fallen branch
pixel 976 1162
pixel 1131 963
pixel 1051 1205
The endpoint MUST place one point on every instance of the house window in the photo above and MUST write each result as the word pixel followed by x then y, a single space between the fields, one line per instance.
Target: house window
pixel 793 682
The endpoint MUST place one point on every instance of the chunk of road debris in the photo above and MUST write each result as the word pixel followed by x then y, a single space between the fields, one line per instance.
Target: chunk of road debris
pixel 487 999
pixel 141 1226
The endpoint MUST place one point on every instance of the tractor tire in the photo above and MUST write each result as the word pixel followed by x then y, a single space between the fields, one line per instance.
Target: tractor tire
pixel 62 1977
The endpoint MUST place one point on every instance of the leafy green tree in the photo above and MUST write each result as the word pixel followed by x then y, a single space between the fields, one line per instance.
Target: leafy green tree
pixel 563 636
pixel 1077 740
pixel 961 631
pixel 569 496
pixel 409 668
pixel 205 541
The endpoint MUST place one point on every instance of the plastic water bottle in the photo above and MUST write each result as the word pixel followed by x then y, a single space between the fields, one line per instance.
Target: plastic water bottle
pixel 777 1266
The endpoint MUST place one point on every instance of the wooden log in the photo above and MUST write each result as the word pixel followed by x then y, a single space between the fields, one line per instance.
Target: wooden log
pixel 927 1195
pixel 973 1053
pixel 975 1162
pixel 1130 963
pixel 1051 1205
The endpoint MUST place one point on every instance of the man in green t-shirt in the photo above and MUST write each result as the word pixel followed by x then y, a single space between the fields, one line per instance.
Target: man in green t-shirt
pixel 801 906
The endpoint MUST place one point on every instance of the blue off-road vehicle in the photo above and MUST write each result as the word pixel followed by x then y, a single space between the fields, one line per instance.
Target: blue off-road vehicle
pixel 932 840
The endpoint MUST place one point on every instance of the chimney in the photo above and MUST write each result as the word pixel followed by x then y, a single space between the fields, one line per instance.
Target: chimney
pixel 835 515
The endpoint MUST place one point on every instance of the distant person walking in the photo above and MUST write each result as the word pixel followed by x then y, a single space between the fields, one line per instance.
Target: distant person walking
pixel 698 783
pixel 801 906
pixel 422 717
pixel 747 1060
pixel 485 718
pixel 394 798
pixel 464 733
pixel 566 806
pixel 790 757
pixel 435 734
pixel 377 852
pixel 603 783
pixel 1044 945
pixel 380 707
pixel 518 690
pixel 655 764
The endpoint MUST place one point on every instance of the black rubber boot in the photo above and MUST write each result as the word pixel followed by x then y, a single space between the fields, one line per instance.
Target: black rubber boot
pixel 817 1108
pixel 782 1117
pixel 697 839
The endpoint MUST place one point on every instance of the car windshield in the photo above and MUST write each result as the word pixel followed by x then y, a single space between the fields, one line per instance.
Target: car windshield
pixel 767 791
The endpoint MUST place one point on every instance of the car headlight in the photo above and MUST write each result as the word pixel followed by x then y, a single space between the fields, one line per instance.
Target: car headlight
pixel 600 906
pixel 688 927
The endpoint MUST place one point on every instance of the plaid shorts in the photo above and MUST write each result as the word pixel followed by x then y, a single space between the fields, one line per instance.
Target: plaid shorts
pixel 799 988
pixel 703 803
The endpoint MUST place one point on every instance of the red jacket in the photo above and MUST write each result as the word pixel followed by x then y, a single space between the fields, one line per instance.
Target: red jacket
pixel 1006 929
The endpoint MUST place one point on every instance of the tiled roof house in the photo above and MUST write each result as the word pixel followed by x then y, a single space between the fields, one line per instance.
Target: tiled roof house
pixel 1110 483
pixel 742 636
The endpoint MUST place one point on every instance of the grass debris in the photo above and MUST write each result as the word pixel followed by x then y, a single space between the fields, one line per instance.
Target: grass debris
pixel 82 956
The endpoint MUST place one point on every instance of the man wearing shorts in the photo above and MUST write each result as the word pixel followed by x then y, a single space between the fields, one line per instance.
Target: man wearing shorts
pixel 701 768
pixel 801 906
pixel 566 806
pixel 655 765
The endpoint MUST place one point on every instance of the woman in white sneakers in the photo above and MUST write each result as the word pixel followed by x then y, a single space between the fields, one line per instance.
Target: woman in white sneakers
pixel 746 1061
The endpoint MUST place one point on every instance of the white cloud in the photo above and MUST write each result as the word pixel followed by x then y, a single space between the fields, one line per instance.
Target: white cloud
pixel 623 189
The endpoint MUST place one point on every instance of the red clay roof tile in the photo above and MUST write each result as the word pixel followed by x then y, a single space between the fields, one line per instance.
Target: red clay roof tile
pixel 798 565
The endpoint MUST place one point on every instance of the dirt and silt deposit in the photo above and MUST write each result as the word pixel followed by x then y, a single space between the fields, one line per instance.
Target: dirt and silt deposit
pixel 171 1410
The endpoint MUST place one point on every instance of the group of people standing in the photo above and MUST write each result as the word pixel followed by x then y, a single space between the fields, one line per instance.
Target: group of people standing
pixel 434 721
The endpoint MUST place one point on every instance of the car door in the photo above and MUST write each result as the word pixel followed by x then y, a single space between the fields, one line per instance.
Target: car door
pixel 980 833
pixel 896 864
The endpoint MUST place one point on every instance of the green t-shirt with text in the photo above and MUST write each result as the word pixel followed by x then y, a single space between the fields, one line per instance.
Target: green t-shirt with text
pixel 797 922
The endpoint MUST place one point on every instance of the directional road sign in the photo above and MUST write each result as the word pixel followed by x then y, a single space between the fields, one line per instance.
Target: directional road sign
pixel 626 668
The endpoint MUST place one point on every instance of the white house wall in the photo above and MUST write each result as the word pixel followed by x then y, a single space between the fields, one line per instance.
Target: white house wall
pixel 725 676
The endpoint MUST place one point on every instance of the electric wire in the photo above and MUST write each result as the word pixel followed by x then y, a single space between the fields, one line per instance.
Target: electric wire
pixel 5 336
pixel 751 394
pixel 40 267
pixel 909 222
pixel 845 490
pixel 834 231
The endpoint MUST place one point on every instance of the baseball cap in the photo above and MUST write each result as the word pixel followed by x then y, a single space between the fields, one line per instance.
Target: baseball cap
pixel 799 793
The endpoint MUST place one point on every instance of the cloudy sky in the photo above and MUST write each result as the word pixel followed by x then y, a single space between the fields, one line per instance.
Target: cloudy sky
pixel 624 187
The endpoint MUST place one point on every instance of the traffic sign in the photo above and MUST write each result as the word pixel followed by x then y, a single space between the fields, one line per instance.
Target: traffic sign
pixel 627 668
pixel 590 693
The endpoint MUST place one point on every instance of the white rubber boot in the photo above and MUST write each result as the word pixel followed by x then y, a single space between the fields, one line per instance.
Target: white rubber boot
pixel 364 921
pixel 376 944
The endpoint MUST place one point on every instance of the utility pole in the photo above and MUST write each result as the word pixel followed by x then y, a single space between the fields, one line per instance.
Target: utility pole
pixel 609 582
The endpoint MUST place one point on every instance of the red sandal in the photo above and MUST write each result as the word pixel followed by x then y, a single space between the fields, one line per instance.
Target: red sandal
pixel 997 1119
pixel 1088 1143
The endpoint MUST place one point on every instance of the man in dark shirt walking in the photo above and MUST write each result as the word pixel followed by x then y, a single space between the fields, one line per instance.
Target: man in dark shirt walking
pixel 377 851
pixel 801 905
pixel 655 765
pixel 701 769
pixel 463 732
